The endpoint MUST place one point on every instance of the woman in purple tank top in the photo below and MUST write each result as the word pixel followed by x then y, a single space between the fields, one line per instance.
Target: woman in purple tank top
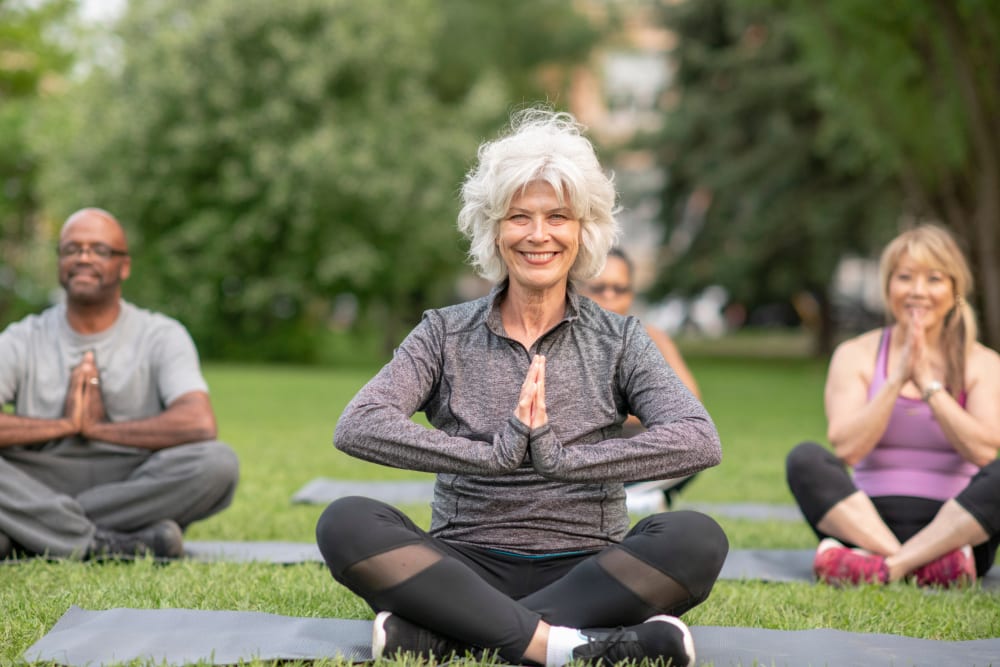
pixel 912 412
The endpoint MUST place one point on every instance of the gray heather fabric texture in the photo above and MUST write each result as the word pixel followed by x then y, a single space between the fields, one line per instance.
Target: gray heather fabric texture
pixel 558 488
pixel 84 638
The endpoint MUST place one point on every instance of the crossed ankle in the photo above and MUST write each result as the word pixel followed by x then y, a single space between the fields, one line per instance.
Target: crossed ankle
pixel 162 539
pixel 839 565
pixel 660 638
pixel 954 569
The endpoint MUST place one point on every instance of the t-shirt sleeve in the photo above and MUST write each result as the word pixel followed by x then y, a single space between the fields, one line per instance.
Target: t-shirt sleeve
pixel 176 364
pixel 12 353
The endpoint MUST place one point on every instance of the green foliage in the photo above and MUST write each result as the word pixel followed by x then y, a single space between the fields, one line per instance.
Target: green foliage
pixel 808 131
pixel 32 61
pixel 914 85
pixel 886 82
pixel 752 202
pixel 268 157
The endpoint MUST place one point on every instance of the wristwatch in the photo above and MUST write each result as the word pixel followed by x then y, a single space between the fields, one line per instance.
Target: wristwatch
pixel 932 388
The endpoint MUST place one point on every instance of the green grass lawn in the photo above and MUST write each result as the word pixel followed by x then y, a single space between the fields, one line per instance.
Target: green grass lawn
pixel 281 420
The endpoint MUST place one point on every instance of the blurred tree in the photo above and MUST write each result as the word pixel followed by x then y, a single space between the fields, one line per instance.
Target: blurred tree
pixel 32 61
pixel 753 202
pixel 917 86
pixel 272 156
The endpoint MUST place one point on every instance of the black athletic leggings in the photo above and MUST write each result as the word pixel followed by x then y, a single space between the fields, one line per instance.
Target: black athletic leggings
pixel 667 563
pixel 819 480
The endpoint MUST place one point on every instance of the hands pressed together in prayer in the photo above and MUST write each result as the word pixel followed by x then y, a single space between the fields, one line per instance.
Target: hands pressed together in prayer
pixel 915 364
pixel 531 403
pixel 84 401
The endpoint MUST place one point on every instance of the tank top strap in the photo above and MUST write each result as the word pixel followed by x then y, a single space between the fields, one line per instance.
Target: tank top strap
pixel 881 362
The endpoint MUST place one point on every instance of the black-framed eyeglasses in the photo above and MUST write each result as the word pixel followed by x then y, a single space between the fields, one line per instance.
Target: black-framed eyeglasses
pixel 99 250
pixel 601 288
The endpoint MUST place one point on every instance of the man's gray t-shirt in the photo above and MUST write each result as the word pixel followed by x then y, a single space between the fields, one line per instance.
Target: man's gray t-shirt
pixel 146 361
pixel 555 489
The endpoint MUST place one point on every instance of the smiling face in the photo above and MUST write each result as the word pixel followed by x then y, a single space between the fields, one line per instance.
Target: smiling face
pixel 539 238
pixel 87 277
pixel 919 292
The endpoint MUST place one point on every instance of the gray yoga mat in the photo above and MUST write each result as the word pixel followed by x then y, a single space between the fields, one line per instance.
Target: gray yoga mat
pixel 83 638
pixel 776 565
pixel 282 553
pixel 323 490
pixel 185 636
pixel 795 565
pixel 751 511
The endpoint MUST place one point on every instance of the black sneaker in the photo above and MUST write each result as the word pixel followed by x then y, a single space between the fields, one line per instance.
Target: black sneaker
pixel 162 539
pixel 392 634
pixel 659 637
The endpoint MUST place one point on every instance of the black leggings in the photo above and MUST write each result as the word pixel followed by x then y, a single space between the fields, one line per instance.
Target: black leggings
pixel 667 563
pixel 819 480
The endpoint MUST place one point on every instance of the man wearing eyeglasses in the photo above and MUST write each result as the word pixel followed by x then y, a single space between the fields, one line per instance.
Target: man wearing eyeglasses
pixel 110 450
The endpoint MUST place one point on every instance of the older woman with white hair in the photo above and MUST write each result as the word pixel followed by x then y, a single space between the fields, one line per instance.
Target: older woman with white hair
pixel 529 553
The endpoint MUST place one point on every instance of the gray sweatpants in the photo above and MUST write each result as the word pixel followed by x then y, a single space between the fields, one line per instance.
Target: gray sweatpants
pixel 53 502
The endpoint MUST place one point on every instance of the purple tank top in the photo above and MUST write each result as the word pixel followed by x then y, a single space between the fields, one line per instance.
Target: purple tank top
pixel 913 457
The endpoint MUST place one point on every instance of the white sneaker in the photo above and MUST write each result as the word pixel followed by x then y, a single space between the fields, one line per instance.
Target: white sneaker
pixel 645 502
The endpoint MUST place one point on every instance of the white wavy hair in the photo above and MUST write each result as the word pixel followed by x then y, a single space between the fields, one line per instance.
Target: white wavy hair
pixel 540 145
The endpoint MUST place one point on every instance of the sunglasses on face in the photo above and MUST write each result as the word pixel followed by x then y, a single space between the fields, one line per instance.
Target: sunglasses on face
pixel 601 288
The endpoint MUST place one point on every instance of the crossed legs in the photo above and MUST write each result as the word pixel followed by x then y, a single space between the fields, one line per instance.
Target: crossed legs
pixel 667 564
pixel 834 507
pixel 54 504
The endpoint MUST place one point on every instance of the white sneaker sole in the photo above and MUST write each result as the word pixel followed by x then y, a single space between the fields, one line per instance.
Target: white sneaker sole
pixel 378 634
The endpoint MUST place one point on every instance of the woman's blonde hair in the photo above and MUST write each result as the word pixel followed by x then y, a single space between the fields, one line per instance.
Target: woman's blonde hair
pixel 540 145
pixel 935 248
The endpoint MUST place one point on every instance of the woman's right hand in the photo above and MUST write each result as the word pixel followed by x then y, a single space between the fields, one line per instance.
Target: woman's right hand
pixel 902 369
pixel 530 409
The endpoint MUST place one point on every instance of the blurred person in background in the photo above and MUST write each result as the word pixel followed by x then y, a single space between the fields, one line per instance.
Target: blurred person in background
pixel 912 408
pixel 110 450
pixel 614 289
pixel 530 553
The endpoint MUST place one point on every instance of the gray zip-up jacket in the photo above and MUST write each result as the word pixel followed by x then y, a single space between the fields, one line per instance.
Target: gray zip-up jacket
pixel 555 489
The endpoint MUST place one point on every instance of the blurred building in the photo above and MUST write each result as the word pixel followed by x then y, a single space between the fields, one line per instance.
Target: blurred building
pixel 620 93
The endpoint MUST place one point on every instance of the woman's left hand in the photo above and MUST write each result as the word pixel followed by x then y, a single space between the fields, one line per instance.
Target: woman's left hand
pixel 531 403
pixel 921 370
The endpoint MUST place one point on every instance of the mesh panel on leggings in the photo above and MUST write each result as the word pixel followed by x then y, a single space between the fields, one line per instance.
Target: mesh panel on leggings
pixel 388 569
pixel 651 586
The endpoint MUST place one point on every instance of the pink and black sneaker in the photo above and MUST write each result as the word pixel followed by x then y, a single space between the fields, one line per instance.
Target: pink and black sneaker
pixel 954 569
pixel 838 565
